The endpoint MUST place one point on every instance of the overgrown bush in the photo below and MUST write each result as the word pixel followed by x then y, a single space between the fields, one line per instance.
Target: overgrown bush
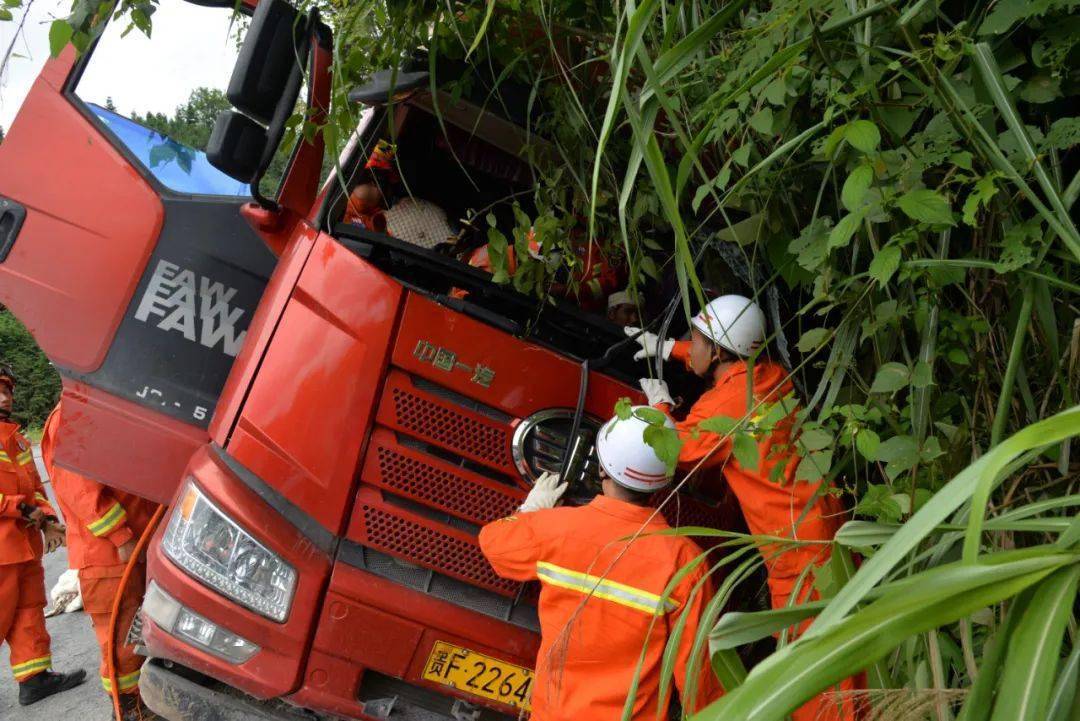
pixel 39 384
pixel 902 173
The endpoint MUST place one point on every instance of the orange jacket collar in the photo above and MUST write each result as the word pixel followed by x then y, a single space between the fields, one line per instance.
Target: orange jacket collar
pixel 627 511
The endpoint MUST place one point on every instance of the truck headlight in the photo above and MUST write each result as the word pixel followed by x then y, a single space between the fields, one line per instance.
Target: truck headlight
pixel 208 545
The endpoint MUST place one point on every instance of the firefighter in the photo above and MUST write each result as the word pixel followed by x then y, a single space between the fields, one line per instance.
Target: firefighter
pixel 728 331
pixel 103 526
pixel 603 573
pixel 28 526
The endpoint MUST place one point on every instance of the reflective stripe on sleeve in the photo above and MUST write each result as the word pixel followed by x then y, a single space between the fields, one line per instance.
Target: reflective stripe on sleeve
pixel 613 591
pixel 112 518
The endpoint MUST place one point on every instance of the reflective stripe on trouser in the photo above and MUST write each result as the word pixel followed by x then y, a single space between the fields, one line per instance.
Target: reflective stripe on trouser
pixel 22 459
pixel 128 683
pixel 98 592
pixel 606 589
pixel 22 618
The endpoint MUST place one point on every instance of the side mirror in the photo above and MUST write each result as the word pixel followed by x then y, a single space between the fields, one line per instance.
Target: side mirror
pixel 275 48
pixel 236 146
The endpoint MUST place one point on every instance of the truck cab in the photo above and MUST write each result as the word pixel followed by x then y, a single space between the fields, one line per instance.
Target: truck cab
pixel 330 412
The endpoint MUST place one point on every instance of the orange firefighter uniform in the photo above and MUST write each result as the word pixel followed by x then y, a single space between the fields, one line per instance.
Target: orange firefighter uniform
pixel 772 502
pixel 601 603
pixel 100 520
pixel 22 577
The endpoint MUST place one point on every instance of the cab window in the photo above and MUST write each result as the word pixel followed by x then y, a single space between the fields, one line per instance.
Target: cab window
pixel 158 98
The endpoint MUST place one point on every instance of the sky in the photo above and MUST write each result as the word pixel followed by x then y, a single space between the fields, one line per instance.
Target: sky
pixel 191 48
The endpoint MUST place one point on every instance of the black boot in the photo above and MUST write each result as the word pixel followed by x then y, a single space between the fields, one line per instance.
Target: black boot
pixel 45 684
pixel 133 709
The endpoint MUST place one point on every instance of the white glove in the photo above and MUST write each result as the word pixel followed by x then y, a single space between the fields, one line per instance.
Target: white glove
pixel 656 391
pixel 651 345
pixel 545 493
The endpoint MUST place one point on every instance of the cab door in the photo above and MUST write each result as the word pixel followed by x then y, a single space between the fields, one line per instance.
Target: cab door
pixel 123 250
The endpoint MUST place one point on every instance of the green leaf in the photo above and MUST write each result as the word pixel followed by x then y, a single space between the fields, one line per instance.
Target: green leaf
pixel 1064 695
pixel 963 159
pixel 651 416
pixel 623 408
pixel 927 206
pixel 922 375
pixel 890 377
pixel 841 234
pixel 899 454
pixel 863 135
pixel 60 33
pixel 721 425
pixel 867 442
pixel 856 185
pixel 1007 13
pixel 980 196
pixel 832 142
pixel 1016 246
pixel 924 601
pixel 1041 89
pixel 497 253
pixel 742 155
pixel 745 449
pixel 483 27
pixel 776 91
pixel 762 121
pixel 864 534
pixel 878 502
pixel 1063 134
pixel 946 501
pixel 811 247
pixel 729 669
pixel 813 339
pixel 1032 655
pixel 665 442
pixel 814 466
pixel 885 263
pixel 737 628
pixel 814 439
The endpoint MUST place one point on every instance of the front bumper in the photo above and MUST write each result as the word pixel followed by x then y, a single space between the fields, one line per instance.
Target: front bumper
pixel 178 698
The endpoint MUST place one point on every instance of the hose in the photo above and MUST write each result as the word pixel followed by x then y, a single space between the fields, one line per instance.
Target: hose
pixel 114 615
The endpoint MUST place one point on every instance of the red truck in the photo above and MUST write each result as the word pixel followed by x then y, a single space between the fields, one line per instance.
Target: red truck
pixel 329 422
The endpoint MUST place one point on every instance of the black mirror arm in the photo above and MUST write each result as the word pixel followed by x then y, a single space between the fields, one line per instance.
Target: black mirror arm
pixel 284 109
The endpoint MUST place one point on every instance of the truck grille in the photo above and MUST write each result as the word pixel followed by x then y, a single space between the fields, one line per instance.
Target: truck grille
pixel 427 546
pixel 468 435
pixel 436 483
pixel 520 612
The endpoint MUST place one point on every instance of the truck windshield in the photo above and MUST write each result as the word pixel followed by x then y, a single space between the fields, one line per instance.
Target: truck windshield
pixel 177 166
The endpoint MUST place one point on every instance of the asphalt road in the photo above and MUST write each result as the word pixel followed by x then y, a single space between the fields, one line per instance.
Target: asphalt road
pixel 73 646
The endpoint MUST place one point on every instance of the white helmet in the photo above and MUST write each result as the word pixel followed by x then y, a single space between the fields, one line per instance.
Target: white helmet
pixel 733 322
pixel 627 459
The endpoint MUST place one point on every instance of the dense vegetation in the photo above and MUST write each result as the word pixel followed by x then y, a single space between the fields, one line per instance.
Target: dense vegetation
pixel 900 177
pixel 39 384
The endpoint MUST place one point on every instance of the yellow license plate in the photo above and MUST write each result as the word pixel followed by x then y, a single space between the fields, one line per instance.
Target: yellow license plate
pixel 479 675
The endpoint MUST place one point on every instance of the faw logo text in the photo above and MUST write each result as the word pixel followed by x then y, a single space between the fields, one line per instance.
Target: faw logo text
pixel 179 300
